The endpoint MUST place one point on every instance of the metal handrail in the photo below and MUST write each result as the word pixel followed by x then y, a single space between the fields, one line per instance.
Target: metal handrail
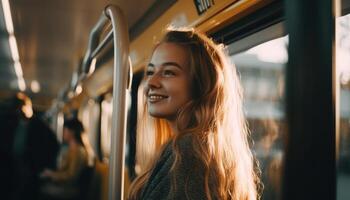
pixel 93 42
pixel 121 81
pixel 102 45
pixel 120 84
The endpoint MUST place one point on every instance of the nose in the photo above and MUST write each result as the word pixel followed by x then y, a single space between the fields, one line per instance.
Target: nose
pixel 153 81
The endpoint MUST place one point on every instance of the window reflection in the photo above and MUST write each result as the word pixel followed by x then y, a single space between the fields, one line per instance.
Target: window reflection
pixel 262 75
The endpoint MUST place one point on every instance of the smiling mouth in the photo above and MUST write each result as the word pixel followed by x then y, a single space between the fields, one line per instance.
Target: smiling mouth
pixel 154 98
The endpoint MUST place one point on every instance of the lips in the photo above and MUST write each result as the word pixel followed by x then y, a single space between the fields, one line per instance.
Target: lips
pixel 153 98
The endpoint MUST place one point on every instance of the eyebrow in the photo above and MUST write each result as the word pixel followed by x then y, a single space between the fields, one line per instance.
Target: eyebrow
pixel 166 64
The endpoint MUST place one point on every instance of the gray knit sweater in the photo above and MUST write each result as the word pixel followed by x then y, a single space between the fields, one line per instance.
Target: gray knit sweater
pixel 189 177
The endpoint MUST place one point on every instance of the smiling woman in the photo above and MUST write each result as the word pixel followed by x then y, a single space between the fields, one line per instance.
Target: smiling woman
pixel 192 136
pixel 169 116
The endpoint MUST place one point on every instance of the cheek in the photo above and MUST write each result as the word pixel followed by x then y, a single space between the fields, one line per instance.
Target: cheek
pixel 188 88
pixel 183 92
pixel 144 86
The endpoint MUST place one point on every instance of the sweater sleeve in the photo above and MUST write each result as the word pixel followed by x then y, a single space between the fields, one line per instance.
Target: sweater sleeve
pixel 187 179
pixel 75 163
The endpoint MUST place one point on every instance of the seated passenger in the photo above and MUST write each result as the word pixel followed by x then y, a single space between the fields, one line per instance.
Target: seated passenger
pixel 192 135
pixel 73 160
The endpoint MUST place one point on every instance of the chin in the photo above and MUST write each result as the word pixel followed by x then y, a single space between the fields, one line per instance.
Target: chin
pixel 161 115
pixel 157 115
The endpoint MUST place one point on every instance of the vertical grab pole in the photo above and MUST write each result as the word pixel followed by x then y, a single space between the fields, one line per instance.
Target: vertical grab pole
pixel 310 162
pixel 120 84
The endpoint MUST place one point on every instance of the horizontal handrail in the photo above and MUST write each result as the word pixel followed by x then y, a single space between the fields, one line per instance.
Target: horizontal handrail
pixel 102 44
pixel 93 42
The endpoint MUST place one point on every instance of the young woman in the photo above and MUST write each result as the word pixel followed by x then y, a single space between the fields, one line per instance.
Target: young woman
pixel 192 135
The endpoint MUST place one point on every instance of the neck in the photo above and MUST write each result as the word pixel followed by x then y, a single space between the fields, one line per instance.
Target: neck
pixel 173 127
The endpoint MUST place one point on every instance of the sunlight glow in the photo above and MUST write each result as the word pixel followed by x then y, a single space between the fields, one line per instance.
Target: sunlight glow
pixel 21 84
pixel 70 94
pixel 14 48
pixel 106 125
pixel 19 74
pixel 18 69
pixel 8 17
pixel 92 66
pixel 27 108
pixel 35 86
pixel 60 122
pixel 78 90
pixel 343 49
pixel 13 44
pixel 28 111
pixel 274 51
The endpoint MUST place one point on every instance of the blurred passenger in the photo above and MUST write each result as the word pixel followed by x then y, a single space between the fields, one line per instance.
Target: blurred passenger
pixel 32 147
pixel 65 182
pixel 8 122
pixel 192 134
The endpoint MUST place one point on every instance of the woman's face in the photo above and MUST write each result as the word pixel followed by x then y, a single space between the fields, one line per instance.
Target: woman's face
pixel 167 86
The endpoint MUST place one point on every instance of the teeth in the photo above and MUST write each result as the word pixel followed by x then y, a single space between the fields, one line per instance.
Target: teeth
pixel 156 97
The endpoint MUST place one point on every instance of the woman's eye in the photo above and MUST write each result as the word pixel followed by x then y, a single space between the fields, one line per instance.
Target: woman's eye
pixel 168 73
pixel 149 72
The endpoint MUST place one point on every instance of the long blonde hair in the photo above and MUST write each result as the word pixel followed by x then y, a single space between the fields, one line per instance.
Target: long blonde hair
pixel 214 119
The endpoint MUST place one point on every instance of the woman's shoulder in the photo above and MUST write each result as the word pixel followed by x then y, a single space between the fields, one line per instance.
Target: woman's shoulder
pixel 187 172
pixel 169 152
pixel 185 140
pixel 185 146
pixel 78 150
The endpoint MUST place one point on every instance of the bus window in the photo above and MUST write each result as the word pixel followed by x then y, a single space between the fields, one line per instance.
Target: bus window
pixel 343 69
pixel 261 69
